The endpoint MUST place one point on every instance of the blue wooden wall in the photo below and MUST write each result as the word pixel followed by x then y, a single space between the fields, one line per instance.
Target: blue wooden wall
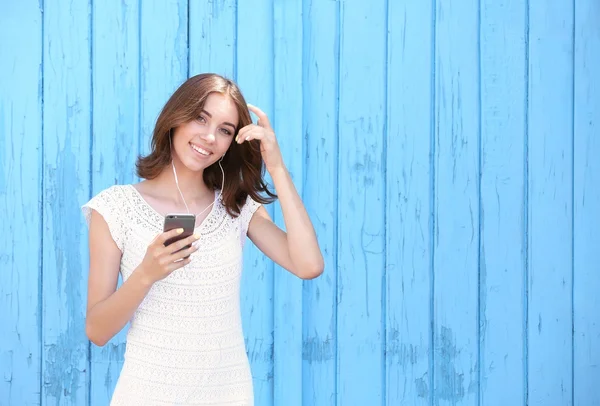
pixel 448 152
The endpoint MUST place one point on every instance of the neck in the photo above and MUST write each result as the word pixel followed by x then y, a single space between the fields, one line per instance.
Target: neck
pixel 190 183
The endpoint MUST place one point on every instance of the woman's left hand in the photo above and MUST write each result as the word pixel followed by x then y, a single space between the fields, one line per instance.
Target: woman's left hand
pixel 263 132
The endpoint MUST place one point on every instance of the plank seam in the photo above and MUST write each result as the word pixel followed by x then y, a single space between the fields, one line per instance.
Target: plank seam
pixel 432 209
pixel 91 170
pixel 271 265
pixel 385 212
pixel 235 41
pixel 140 81
pixel 304 146
pixel 187 39
pixel 573 213
pixel 479 240
pixel 41 210
pixel 305 162
pixel 526 217
pixel 337 195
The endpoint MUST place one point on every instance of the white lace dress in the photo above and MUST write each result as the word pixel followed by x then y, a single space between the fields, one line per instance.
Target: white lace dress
pixel 185 344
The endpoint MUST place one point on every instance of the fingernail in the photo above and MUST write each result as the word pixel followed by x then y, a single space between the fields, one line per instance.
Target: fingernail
pixel 179 230
pixel 196 236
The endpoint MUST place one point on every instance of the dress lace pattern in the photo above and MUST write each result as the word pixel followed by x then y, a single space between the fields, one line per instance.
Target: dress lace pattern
pixel 185 344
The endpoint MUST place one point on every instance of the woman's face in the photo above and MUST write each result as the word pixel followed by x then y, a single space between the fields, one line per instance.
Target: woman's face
pixel 203 141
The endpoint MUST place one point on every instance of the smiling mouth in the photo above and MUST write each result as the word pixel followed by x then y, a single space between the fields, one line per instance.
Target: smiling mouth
pixel 200 151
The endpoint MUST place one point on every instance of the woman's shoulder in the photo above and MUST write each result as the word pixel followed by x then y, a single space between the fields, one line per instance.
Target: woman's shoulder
pixel 109 203
pixel 109 199
pixel 250 204
pixel 247 211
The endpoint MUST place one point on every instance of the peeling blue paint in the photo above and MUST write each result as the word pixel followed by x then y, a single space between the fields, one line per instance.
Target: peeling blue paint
pixel 421 386
pixel 62 379
pixel 449 383
pixel 316 350
pixel 496 137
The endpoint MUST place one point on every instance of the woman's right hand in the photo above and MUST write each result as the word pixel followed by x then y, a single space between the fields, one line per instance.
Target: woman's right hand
pixel 160 261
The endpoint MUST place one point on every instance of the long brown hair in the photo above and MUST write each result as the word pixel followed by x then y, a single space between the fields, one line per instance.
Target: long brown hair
pixel 242 164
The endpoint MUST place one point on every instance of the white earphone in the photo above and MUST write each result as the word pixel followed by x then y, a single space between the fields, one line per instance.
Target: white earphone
pixel 177 181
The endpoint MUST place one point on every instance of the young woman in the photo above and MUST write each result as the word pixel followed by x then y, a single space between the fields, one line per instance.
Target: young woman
pixel 185 344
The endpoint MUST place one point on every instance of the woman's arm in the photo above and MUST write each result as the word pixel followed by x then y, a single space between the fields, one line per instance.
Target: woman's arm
pixel 108 308
pixel 297 250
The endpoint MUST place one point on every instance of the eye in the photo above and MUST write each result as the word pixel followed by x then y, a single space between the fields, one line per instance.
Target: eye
pixel 225 131
pixel 201 119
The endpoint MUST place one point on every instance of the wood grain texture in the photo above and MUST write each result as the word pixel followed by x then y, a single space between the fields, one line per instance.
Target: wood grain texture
pixel 163 59
pixel 115 132
pixel 456 211
pixel 66 186
pixel 287 121
pixel 255 72
pixel 550 188
pixel 361 202
pixel 502 194
pixel 320 130
pixel 586 200
pixel 445 151
pixel 408 204
pixel 20 197
pixel 212 37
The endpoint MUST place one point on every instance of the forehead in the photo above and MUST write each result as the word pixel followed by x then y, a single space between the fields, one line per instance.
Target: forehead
pixel 221 107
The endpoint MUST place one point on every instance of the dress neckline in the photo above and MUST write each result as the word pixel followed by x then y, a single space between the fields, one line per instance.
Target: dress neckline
pixel 162 217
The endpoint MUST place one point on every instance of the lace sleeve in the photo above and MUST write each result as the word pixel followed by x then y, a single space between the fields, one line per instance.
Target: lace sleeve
pixel 106 203
pixel 246 214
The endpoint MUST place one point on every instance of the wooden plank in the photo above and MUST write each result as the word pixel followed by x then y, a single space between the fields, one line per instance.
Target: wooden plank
pixel 287 120
pixel 550 203
pixel 409 198
pixel 320 128
pixel 212 37
pixel 20 196
pixel 503 221
pixel 115 80
pixel 164 59
pixel 456 246
pixel 66 158
pixel 255 76
pixel 361 244
pixel 586 176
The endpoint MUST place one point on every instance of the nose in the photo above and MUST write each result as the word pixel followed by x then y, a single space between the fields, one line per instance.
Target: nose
pixel 209 137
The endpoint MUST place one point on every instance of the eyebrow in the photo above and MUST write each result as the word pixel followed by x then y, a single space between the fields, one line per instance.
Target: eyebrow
pixel 226 123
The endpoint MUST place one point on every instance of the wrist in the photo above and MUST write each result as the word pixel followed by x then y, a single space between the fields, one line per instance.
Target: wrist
pixel 277 172
pixel 140 278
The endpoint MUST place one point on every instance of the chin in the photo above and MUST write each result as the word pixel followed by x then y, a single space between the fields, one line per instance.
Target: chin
pixel 195 166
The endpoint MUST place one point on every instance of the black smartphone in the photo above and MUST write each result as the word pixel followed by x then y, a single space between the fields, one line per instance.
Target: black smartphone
pixel 185 221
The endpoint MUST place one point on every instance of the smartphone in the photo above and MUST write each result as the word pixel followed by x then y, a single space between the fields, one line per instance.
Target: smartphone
pixel 185 221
